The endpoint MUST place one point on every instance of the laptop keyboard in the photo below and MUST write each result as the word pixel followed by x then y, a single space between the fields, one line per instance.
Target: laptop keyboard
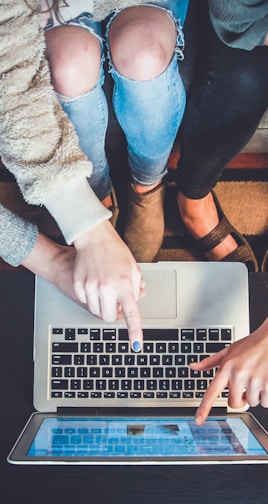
pixel 88 363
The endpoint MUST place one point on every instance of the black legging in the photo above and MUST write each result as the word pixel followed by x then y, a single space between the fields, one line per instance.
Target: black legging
pixel 228 98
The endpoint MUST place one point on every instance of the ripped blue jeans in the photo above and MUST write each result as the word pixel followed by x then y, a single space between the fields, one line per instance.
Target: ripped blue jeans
pixel 149 112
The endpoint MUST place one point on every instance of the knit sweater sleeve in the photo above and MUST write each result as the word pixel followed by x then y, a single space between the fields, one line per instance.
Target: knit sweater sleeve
pixel 38 143
pixel 17 237
pixel 242 24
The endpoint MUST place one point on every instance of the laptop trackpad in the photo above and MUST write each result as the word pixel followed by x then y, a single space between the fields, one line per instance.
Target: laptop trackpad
pixel 159 303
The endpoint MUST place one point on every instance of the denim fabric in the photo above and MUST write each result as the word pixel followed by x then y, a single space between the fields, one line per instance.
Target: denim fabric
pixel 228 98
pixel 89 115
pixel 149 113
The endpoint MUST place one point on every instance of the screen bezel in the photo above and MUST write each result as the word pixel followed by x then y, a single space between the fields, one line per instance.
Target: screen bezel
pixel 19 452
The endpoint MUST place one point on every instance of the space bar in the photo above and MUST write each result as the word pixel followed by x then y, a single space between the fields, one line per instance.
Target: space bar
pixel 154 334
pixel 215 347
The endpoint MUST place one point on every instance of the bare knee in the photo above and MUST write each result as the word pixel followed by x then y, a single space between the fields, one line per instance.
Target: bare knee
pixel 74 58
pixel 142 42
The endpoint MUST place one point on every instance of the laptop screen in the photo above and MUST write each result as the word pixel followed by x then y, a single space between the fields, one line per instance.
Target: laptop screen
pixel 143 437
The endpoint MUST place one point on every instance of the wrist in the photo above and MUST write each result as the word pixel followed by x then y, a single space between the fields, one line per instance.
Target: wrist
pixel 94 235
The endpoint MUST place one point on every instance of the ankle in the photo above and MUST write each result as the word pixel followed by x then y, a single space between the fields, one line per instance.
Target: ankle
pixel 199 216
pixel 107 202
pixel 140 189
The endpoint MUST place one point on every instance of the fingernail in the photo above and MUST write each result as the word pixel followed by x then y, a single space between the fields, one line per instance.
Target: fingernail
pixel 136 346
pixel 198 419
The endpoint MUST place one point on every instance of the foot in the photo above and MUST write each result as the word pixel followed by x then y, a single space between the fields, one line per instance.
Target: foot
pixel 110 202
pixel 144 229
pixel 200 217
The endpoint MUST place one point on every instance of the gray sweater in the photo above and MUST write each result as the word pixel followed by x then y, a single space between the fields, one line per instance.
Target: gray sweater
pixel 240 23
pixel 17 237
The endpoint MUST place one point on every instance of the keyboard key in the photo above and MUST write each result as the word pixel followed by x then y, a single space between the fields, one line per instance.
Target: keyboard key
pixel 123 347
pixel 88 384
pixel 65 347
pixel 91 360
pixel 167 360
pixel 161 348
pixel 69 334
pixel 186 348
pixel 107 371
pixel 226 334
pixel 69 395
pixel 161 395
pixel 79 360
pixel 82 372
pixel 214 334
pixel 138 384
pixel 110 347
pixel 164 384
pixel 109 334
pixel 154 360
pixel 57 330
pixel 179 360
pixel 158 372
pixel 109 395
pixel 82 330
pixel 173 347
pixel 61 360
pixel 160 334
pixel 97 347
pixel 117 360
pixel 215 347
pixel 148 347
pixel 86 347
pixel 176 384
pixel 145 372
pixel 69 372
pixel 59 384
pixel 113 384
pixel 94 372
pixel 142 360
pixel 101 384
pixel 57 372
pixel 94 334
pixel 104 360
pixel 201 334
pixel 187 335
pixel 75 384
pixel 120 372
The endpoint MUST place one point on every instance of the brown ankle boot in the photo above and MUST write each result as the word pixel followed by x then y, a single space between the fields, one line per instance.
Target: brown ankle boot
pixel 144 230
pixel 114 209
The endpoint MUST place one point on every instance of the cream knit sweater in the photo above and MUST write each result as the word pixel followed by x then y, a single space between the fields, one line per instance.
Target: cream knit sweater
pixel 37 141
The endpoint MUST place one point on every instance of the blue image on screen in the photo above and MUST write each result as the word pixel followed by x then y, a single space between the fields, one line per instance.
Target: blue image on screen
pixel 142 437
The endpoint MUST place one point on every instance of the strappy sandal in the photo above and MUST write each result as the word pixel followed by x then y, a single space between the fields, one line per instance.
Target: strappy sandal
pixel 243 253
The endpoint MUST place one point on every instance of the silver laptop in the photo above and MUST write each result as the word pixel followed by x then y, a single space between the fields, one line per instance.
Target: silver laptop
pixel 99 402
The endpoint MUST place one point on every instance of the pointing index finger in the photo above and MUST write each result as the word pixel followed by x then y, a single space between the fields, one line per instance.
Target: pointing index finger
pixel 217 385
pixel 131 313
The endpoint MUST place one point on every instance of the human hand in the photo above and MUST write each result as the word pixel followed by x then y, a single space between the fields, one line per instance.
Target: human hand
pixel 243 366
pixel 54 263
pixel 107 278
